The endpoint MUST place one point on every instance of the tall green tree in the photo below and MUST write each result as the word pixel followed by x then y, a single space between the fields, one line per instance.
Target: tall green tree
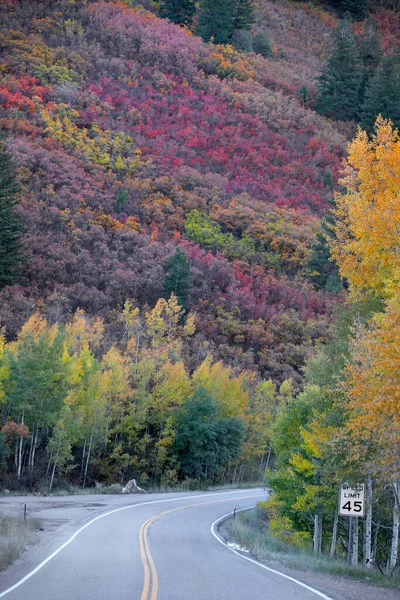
pixel 178 11
pixel 216 20
pixel 243 16
pixel 382 93
pixel 356 8
pixel 340 82
pixel 177 277
pixel 204 443
pixel 371 52
pixel 10 226
pixel 323 270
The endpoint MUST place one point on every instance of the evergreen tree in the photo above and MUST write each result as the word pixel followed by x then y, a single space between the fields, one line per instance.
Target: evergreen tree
pixel 371 53
pixel 356 8
pixel 340 82
pixel 216 20
pixel 243 14
pixel 177 277
pixel 178 11
pixel 262 45
pixel 204 441
pixel 324 272
pixel 10 228
pixel 382 93
pixel 121 199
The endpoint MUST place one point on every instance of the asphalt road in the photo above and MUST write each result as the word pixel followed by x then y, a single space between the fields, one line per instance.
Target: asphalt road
pixel 157 547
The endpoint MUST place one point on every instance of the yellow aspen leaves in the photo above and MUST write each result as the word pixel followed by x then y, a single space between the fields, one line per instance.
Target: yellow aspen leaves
pixel 368 213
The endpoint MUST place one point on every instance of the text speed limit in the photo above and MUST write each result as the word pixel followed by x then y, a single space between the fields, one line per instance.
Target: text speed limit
pixel 351 501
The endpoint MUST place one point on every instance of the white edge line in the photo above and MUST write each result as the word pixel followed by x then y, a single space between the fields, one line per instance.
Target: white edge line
pixel 217 537
pixel 42 564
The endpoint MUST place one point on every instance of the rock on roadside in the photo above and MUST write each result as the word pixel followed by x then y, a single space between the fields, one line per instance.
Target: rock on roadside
pixel 130 488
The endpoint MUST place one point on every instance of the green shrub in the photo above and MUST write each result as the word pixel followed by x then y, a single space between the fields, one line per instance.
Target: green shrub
pixel 262 45
pixel 242 41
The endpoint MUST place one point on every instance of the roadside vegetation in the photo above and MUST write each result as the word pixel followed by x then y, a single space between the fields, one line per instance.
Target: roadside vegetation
pixel 15 535
pixel 251 532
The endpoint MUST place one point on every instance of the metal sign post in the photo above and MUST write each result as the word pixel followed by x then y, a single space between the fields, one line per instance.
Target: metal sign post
pixel 352 504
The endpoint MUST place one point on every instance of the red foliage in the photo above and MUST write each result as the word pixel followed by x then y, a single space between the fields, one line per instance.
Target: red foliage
pixel 233 148
pixel 13 430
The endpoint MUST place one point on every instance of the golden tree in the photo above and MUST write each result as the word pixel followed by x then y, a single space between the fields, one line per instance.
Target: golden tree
pixel 368 214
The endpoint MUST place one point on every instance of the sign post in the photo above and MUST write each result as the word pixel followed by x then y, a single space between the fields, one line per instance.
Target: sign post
pixel 352 504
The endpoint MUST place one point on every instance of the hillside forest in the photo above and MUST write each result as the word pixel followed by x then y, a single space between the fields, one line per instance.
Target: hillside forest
pixel 199 266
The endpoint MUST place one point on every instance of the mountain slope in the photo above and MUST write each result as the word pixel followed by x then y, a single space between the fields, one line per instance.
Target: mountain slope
pixel 121 126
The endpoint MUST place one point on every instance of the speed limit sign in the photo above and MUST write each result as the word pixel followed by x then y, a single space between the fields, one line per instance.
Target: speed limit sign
pixel 351 501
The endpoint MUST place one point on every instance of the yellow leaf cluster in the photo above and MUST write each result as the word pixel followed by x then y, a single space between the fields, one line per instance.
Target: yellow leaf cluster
pixel 368 213
pixel 113 150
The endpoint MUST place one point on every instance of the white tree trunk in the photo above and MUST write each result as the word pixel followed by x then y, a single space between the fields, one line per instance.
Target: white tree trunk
pixel 317 538
pixel 31 446
pixel 19 471
pixel 88 455
pixel 368 526
pixel 83 457
pixel 52 475
pixel 334 535
pixel 396 523
pixel 35 445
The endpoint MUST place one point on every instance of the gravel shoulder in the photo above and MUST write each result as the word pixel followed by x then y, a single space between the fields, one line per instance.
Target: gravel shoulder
pixel 339 588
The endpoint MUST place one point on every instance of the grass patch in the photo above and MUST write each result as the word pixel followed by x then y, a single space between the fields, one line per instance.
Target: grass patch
pixel 15 536
pixel 250 532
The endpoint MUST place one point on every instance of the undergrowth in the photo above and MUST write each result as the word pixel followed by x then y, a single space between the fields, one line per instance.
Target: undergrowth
pixel 15 535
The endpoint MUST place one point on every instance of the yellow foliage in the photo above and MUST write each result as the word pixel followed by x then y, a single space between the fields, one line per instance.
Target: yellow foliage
pixel 367 251
pixel 368 214
pixel 35 325
pixel 113 150
pixel 82 332
pixel 373 390
pixel 281 527
pixel 163 319
pixel 228 391
pixel 301 464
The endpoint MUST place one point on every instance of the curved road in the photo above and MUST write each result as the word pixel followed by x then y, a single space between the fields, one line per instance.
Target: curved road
pixel 152 549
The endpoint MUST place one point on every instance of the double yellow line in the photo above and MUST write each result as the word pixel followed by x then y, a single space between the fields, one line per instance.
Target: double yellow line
pixel 150 584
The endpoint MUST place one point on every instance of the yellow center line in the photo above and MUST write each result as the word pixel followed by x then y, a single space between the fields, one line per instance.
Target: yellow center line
pixel 145 553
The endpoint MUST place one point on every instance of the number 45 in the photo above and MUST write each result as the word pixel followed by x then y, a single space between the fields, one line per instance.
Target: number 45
pixel 357 506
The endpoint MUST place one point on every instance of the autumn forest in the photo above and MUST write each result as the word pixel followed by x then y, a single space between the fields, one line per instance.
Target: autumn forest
pixel 199 265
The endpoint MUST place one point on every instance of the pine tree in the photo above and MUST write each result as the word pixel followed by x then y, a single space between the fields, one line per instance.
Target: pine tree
pixel 340 82
pixel 177 277
pixel 356 8
pixel 323 271
pixel 382 93
pixel 178 11
pixel 371 53
pixel 216 20
pixel 10 228
pixel 243 14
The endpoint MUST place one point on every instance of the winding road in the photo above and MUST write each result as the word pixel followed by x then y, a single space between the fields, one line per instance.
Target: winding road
pixel 159 547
